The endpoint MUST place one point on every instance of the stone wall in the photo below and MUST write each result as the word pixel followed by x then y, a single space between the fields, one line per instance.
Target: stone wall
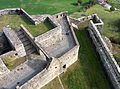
pixel 14 41
pixel 76 22
pixel 60 15
pixel 28 16
pixel 8 11
pixel 50 37
pixel 107 59
pixel 69 58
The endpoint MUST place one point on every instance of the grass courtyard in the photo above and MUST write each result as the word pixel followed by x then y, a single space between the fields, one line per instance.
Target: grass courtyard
pixel 16 20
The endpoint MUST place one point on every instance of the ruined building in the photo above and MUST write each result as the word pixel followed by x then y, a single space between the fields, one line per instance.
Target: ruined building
pixel 47 55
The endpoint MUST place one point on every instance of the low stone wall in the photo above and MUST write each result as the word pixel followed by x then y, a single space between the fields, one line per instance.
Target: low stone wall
pixel 8 11
pixel 14 41
pixel 108 61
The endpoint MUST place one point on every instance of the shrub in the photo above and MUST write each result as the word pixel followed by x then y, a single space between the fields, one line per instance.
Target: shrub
pixel 112 9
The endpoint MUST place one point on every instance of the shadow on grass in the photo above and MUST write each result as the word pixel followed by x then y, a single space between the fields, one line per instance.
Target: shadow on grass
pixel 26 20
pixel 74 4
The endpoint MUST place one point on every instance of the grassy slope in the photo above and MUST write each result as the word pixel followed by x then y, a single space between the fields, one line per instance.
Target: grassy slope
pixel 87 73
pixel 15 20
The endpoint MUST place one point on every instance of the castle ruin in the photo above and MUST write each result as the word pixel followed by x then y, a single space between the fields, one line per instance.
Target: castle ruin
pixel 51 53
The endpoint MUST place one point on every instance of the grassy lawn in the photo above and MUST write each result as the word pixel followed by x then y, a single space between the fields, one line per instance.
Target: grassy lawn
pixel 11 62
pixel 15 20
pixel 41 6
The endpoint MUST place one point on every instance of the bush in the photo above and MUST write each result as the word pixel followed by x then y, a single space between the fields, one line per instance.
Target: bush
pixel 112 9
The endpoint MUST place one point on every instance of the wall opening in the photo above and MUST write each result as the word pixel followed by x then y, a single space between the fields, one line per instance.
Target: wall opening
pixel 64 66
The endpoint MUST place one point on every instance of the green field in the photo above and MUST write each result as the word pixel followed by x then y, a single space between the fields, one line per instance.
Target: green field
pixel 41 6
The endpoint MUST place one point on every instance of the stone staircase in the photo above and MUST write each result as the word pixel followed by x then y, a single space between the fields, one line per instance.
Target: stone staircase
pixel 29 48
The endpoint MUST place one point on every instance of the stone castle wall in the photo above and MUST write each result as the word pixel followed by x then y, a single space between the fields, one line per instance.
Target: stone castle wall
pixel 107 59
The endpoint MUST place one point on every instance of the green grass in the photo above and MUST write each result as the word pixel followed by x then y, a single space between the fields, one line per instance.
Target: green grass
pixel 114 3
pixel 15 21
pixel 117 57
pixel 11 62
pixel 41 6
pixel 87 73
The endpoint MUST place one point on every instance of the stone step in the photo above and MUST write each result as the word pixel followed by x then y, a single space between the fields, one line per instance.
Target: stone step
pixel 20 33
pixel 24 39
pixel 31 51
pixel 28 47
pixel 17 30
pixel 25 43
pixel 21 36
